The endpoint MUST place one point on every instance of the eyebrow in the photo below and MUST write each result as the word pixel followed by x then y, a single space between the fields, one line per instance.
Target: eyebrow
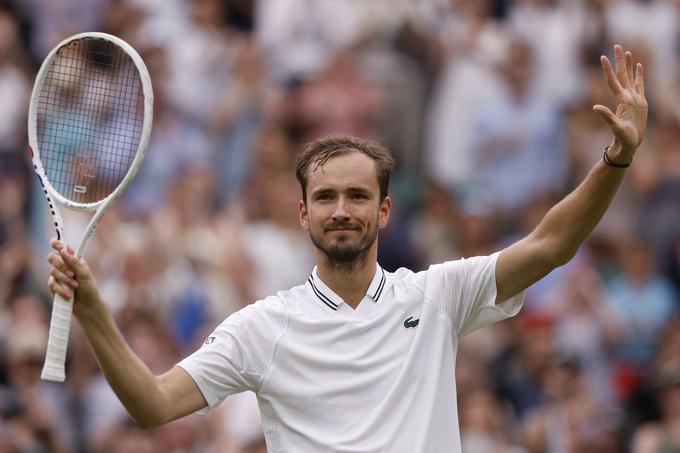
pixel 327 190
pixel 362 190
pixel 323 190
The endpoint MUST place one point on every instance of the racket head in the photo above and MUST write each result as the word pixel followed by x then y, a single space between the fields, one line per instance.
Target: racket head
pixel 89 119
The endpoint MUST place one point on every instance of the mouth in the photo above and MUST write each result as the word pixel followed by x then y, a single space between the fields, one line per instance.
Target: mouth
pixel 341 230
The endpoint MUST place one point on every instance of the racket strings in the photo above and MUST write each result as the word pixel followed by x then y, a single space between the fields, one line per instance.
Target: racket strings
pixel 90 117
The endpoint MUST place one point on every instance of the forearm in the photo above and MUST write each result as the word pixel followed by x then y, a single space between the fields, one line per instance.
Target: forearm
pixel 131 380
pixel 150 400
pixel 566 226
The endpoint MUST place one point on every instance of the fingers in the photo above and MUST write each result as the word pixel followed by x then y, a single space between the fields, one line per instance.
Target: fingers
pixel 612 80
pixel 55 260
pixel 620 60
pixel 63 279
pixel 621 77
pixel 628 124
pixel 58 246
pixel 66 270
pixel 77 265
pixel 66 261
pixel 56 288
pixel 629 68
pixel 640 79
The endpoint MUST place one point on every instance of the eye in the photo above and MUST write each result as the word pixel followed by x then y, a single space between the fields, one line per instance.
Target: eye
pixel 359 196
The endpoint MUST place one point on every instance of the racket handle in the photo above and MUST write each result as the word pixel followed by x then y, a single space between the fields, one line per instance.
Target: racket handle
pixel 57 343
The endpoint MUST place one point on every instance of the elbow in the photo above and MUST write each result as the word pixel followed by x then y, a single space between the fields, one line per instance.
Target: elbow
pixel 151 410
pixel 149 418
pixel 147 422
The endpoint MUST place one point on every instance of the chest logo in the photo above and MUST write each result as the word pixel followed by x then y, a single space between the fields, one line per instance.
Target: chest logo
pixel 410 322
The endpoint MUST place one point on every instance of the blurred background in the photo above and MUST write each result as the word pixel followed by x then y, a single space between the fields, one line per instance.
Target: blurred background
pixel 486 106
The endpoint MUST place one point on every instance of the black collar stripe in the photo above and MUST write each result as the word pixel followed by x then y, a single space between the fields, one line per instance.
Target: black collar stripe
pixel 320 295
pixel 378 292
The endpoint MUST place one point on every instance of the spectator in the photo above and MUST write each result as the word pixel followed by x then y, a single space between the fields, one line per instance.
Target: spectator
pixel 518 144
pixel 36 412
pixel 484 423
pixel 14 85
pixel 642 299
pixel 474 43
pixel 569 420
pixel 557 31
pixel 339 100
pixel 662 435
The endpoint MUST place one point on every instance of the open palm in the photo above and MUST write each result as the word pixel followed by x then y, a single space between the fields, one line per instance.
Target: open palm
pixel 630 120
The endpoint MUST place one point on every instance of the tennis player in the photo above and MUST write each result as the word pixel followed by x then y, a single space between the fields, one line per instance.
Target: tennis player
pixel 358 359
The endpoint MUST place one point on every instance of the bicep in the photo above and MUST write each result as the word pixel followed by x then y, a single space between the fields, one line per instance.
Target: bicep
pixel 520 265
pixel 181 394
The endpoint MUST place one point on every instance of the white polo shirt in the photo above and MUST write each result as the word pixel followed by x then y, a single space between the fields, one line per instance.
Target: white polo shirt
pixel 380 378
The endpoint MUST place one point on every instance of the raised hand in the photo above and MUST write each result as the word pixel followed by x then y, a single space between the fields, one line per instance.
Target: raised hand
pixel 630 120
pixel 71 277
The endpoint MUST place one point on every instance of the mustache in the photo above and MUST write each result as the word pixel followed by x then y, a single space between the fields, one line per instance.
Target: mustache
pixel 341 225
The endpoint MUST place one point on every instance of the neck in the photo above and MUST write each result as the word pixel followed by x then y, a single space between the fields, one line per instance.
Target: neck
pixel 350 281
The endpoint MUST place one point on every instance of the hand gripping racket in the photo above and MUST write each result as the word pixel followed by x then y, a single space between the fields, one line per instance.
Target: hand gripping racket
pixel 89 123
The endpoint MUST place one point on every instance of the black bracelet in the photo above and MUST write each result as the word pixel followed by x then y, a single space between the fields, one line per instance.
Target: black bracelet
pixel 608 161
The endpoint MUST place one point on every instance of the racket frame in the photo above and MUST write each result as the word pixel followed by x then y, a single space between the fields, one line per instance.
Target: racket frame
pixel 54 367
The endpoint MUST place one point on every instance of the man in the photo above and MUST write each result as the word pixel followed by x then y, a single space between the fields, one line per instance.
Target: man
pixel 358 359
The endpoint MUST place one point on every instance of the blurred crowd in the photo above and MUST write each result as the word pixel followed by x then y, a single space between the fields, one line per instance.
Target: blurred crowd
pixel 486 106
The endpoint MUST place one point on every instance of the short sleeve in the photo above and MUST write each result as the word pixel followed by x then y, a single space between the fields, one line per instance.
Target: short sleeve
pixel 237 354
pixel 465 290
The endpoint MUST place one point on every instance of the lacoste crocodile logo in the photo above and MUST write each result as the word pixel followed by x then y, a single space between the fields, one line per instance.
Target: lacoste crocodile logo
pixel 410 322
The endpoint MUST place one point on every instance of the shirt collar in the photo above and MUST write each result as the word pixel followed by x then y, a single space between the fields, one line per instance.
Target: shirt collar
pixel 328 297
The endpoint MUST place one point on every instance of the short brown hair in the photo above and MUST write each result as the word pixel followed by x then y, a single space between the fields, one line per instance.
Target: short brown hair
pixel 319 151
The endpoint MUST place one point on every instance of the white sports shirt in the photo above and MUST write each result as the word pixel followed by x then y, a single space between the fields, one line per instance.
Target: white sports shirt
pixel 380 378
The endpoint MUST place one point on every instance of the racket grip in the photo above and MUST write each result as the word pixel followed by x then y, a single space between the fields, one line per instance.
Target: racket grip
pixel 57 343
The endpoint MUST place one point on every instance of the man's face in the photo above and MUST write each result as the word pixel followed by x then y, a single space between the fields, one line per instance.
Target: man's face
pixel 343 211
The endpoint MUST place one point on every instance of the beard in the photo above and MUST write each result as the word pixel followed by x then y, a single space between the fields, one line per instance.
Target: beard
pixel 345 254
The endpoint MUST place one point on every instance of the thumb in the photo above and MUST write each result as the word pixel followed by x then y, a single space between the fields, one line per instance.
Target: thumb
pixel 607 115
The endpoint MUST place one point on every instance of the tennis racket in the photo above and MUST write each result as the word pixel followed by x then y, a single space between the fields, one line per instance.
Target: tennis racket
pixel 89 123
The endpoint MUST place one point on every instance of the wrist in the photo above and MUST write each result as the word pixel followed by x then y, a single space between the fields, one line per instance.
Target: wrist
pixel 618 154
pixel 615 156
pixel 91 311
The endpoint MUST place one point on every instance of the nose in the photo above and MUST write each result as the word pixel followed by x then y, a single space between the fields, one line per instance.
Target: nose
pixel 340 212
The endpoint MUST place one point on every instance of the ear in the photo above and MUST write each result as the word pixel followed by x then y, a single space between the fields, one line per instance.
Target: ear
pixel 303 215
pixel 384 212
